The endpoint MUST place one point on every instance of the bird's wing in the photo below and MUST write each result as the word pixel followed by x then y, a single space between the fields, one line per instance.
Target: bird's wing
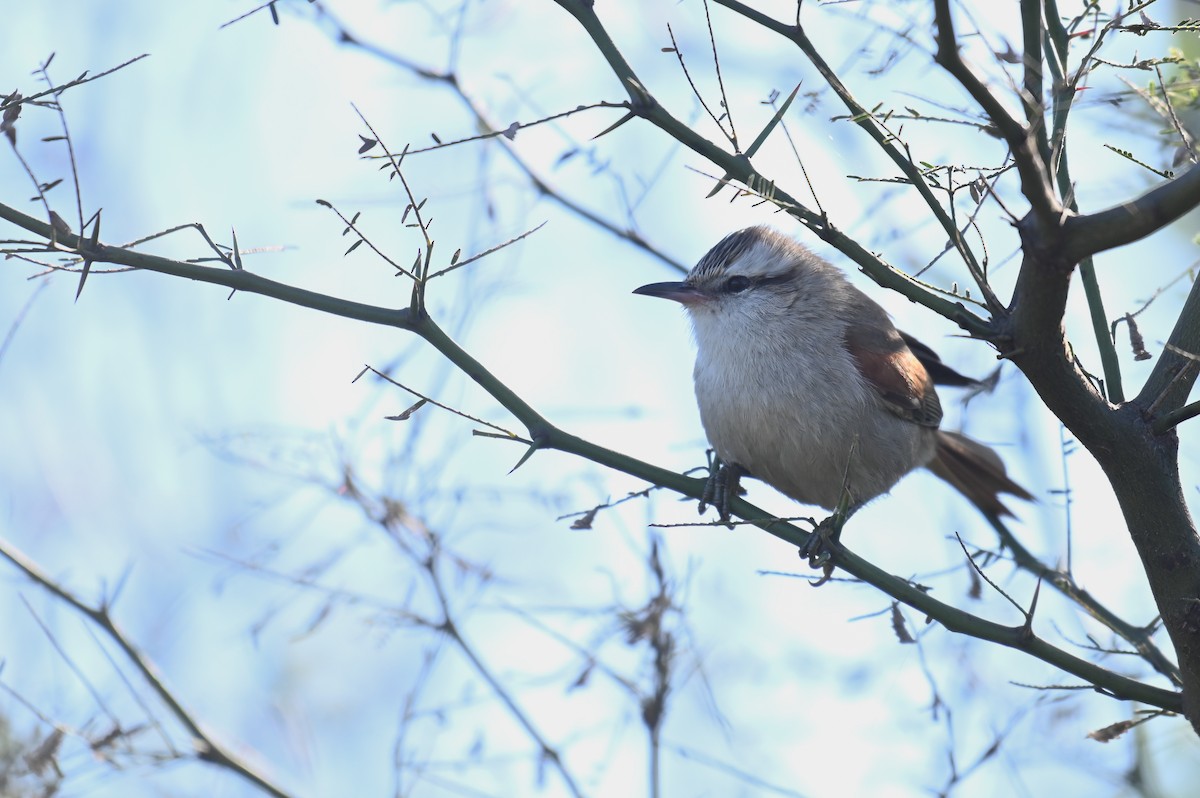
pixel 890 367
pixel 939 371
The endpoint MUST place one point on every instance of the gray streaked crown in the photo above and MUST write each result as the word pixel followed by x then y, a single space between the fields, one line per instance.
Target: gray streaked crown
pixel 726 251
pixel 766 246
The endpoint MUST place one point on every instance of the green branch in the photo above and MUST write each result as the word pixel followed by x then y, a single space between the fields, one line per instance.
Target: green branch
pixel 739 168
pixel 884 139
pixel 545 435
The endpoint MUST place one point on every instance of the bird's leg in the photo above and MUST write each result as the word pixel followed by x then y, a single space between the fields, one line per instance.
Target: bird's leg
pixel 823 542
pixel 724 483
pixel 819 547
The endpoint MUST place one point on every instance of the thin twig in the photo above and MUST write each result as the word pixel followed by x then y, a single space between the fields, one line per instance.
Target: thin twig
pixel 1184 136
pixel 509 133
pixel 79 81
pixel 696 91
pixel 207 748
pixel 712 38
pixel 352 225
pixel 20 317
pixel 451 80
pixel 1035 181
pixel 505 433
pixel 489 251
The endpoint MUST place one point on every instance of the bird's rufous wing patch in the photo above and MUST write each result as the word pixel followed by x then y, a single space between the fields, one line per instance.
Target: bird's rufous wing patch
pixel 891 368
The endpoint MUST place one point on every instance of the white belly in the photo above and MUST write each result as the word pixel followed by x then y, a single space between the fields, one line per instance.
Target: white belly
pixel 787 429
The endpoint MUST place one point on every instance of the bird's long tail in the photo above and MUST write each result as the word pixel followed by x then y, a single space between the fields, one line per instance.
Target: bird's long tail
pixel 976 472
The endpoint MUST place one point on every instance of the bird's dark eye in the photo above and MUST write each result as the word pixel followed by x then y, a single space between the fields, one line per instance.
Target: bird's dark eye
pixel 736 284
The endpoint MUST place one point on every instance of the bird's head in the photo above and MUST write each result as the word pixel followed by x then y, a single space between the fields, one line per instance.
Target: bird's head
pixel 752 279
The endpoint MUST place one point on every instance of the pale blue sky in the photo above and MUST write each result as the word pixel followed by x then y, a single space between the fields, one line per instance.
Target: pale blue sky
pixel 115 411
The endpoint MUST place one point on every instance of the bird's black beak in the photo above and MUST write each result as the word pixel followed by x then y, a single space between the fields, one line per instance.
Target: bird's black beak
pixel 680 292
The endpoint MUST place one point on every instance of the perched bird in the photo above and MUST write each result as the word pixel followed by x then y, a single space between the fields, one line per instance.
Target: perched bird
pixel 803 382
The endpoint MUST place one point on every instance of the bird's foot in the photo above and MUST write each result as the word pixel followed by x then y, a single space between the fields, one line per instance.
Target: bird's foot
pixel 724 483
pixel 820 546
pixel 823 543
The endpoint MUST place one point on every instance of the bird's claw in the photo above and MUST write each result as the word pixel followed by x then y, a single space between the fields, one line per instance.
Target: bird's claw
pixel 822 544
pixel 724 483
pixel 819 547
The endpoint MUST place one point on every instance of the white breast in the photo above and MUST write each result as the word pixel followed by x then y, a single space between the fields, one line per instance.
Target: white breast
pixel 793 410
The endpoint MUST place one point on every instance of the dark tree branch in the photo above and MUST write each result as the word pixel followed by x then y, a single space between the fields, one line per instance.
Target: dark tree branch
pixel 1127 222
pixel 884 139
pixel 1140 461
pixel 1032 32
pixel 1142 467
pixel 1169 421
pixel 1035 181
pixel 1175 372
pixel 739 168
pixel 544 435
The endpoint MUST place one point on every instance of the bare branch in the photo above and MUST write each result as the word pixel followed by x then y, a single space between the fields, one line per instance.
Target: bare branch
pixel 1035 180
pixel 546 436
pixel 79 81
pixel 207 748
pixel 883 138
pixel 1122 224
pixel 483 121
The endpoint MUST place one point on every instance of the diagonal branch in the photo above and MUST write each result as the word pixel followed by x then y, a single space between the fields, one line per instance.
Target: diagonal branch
pixel 207 748
pixel 739 168
pixel 1176 370
pixel 545 435
pixel 1140 637
pixel 884 139
pixel 239 280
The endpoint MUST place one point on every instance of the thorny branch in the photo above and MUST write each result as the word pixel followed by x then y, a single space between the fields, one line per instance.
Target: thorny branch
pixel 544 435
pixel 207 748
pixel 428 560
pixel 451 80
pixel 1080 236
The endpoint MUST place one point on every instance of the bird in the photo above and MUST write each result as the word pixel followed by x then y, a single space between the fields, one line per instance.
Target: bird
pixel 803 382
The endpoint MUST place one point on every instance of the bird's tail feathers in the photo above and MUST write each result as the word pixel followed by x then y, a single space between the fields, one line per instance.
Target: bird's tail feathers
pixel 976 472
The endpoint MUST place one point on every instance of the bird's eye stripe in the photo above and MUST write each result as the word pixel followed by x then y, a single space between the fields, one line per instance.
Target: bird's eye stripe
pixel 776 279
pixel 740 282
